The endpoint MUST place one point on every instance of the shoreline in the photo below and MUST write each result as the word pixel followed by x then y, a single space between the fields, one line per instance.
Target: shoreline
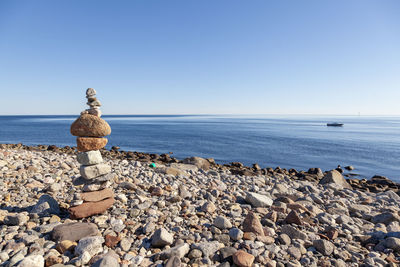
pixel 375 184
pixel 191 213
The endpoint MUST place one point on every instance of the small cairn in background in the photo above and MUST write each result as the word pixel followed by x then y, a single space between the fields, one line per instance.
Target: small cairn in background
pixel 96 176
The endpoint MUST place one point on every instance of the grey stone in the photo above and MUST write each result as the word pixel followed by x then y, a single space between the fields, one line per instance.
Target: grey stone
pixel 32 261
pixel 222 222
pixel 179 251
pixel 106 261
pixel 385 218
pixel 392 243
pixel 161 238
pixel 208 248
pixel 293 233
pixel 236 234
pixel 46 205
pixel 93 171
pixel 226 253
pixel 324 246
pixel 335 177
pixel 16 219
pixel 258 200
pixel 173 262
pixel 89 158
pixel 91 244
pixel 74 231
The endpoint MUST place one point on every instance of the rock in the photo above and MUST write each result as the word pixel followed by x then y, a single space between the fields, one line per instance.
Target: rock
pixel 46 205
pixel 208 207
pixel 179 251
pixel 199 162
pixel 112 241
pixel 86 144
pixel 173 262
pixel 257 200
pixel 106 261
pixel 293 217
pixel 335 177
pixel 97 195
pixel 90 126
pixel 32 261
pixel 349 168
pixel 392 243
pixel 222 222
pixel 243 259
pixel 293 233
pixel 74 231
pixel 89 157
pixel 226 253
pixel 324 246
pixel 385 218
pixel 93 171
pixel 235 234
pixel 208 248
pixel 252 224
pixel 161 238
pixel 91 208
pixel 16 219
pixel 92 245
pixel 66 245
pixel 170 171
pixel 90 92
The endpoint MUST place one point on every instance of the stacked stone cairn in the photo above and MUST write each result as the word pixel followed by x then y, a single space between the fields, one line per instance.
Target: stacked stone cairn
pixel 96 177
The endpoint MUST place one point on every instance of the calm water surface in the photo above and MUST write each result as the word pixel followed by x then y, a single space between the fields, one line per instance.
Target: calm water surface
pixel 370 144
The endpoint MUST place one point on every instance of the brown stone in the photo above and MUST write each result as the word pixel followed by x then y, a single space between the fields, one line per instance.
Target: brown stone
pixel 332 234
pixel 85 144
pixel 249 236
pixel 112 241
pixel 243 259
pixel 91 208
pixel 97 195
pixel 157 191
pixel 66 245
pixel 293 217
pixel 90 126
pixel 252 224
pixel 52 260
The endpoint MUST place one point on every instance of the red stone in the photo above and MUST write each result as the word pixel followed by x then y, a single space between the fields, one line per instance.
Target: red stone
pixel 252 224
pixel 112 241
pixel 97 195
pixel 91 208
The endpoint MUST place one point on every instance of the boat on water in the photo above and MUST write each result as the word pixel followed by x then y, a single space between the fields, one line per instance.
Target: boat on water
pixel 335 124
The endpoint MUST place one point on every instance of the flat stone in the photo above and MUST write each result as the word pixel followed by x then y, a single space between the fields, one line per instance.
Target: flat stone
pixel 74 231
pixel 90 126
pixel 90 157
pixel 179 251
pixel 208 248
pixel 293 233
pixel 199 162
pixel 86 144
pixel 385 218
pixel 97 195
pixel 93 171
pixel 161 238
pixel 91 208
pixel 243 259
pixel 258 200
pixel 98 180
pixel 16 219
pixel 252 224
pixel 173 262
pixel 335 177
pixel 46 205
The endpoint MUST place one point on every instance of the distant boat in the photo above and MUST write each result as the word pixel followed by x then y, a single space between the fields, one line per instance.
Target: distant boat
pixel 335 124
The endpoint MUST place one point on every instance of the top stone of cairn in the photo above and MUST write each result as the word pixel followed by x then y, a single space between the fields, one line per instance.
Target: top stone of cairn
pixel 90 92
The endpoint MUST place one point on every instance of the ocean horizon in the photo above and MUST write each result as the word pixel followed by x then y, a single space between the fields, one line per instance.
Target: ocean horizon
pixel 369 143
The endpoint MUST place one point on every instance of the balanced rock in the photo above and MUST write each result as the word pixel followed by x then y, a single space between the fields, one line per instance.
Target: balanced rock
pixel 90 92
pixel 90 208
pixel 93 171
pixel 335 177
pixel 97 195
pixel 90 157
pixel 85 144
pixel 90 126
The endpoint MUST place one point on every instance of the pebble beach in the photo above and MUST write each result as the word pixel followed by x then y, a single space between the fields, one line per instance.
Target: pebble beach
pixel 192 213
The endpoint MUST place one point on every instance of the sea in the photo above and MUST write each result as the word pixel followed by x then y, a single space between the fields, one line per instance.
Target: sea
pixel 370 144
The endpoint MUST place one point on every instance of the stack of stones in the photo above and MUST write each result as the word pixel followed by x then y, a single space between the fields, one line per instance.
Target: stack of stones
pixel 96 176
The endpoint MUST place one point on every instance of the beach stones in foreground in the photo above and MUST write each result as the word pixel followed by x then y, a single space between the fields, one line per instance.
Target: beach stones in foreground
pixel 88 125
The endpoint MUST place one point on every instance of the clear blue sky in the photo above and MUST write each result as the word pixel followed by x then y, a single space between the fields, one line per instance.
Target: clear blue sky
pixel 208 56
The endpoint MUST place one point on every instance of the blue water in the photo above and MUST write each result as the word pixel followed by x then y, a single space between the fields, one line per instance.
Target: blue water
pixel 370 144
